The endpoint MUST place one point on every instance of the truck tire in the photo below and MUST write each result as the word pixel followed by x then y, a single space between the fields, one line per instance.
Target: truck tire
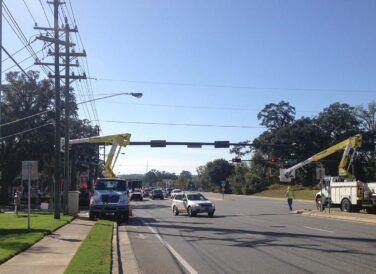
pixel 125 217
pixel 91 215
pixel 175 211
pixel 346 205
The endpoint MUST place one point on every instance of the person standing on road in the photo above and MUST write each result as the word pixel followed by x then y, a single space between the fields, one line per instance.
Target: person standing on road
pixel 290 196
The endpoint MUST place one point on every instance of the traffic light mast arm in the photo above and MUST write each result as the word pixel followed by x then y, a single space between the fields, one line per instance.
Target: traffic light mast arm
pixel 117 141
pixel 353 142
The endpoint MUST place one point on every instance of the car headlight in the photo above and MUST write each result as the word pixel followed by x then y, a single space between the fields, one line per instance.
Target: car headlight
pixel 122 199
pixel 95 199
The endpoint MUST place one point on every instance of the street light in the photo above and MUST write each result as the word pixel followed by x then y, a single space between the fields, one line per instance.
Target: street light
pixel 134 94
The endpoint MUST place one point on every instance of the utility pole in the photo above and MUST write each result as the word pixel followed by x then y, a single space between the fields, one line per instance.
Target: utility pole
pixel 57 42
pixel 1 72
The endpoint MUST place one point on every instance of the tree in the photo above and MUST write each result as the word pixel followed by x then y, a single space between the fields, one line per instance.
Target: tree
pixel 275 116
pixel 185 175
pixel 152 177
pixel 25 97
pixel 338 122
pixel 32 138
pixel 218 171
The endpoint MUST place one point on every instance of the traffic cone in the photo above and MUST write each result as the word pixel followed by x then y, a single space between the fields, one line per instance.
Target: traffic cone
pixel 130 212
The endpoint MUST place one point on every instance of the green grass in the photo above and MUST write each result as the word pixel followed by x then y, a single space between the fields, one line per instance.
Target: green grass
pixel 94 254
pixel 15 237
pixel 278 191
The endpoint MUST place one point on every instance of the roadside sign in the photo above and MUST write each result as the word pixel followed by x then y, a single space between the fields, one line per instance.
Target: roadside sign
pixel 33 167
pixel 223 184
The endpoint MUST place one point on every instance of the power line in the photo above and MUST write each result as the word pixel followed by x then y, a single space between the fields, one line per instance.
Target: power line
pixel 187 125
pixel 21 132
pixel 45 14
pixel 27 7
pixel 24 118
pixel 18 51
pixel 189 107
pixel 16 63
pixel 201 85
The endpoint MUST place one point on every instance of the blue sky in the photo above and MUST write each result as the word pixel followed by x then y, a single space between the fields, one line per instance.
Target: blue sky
pixel 215 63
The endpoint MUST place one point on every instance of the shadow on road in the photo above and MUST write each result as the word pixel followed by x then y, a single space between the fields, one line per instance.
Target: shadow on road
pixel 248 238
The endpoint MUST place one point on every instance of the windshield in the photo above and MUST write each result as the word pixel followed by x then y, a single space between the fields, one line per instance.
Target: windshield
pixel 111 185
pixel 196 197
pixel 157 191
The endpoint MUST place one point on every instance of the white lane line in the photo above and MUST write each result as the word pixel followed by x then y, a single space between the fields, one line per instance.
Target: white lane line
pixel 319 229
pixel 173 252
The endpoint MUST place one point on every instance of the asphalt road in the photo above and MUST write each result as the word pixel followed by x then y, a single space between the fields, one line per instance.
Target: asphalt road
pixel 247 235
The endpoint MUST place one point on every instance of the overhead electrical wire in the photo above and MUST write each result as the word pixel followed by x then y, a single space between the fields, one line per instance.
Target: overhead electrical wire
pixel 27 7
pixel 19 33
pixel 24 131
pixel 186 124
pixel 203 85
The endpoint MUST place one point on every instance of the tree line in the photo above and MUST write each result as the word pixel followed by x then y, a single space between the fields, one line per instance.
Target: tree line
pixel 27 131
pixel 288 140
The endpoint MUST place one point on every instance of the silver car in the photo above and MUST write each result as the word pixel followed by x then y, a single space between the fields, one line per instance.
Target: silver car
pixel 192 203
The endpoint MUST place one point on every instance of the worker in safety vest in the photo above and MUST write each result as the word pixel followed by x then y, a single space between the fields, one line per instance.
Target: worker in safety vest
pixel 290 196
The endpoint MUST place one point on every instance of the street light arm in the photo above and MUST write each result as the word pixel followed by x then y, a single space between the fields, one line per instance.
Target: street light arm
pixel 134 94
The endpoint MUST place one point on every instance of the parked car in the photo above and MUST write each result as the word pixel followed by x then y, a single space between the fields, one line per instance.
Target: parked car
pixel 136 195
pixel 192 203
pixel 174 191
pixel 146 192
pixel 168 192
pixel 157 194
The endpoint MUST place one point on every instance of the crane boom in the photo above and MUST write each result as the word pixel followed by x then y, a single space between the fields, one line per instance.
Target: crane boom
pixel 347 145
pixel 117 141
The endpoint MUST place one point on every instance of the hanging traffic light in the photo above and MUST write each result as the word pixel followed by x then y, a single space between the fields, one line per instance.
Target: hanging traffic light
pixel 236 160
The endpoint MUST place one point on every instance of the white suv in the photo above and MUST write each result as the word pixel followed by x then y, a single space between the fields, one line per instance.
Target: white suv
pixel 192 203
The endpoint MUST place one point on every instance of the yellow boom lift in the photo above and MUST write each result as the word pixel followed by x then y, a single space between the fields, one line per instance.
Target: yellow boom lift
pixel 117 141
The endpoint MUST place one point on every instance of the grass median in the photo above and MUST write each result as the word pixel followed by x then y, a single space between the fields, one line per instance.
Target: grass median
pixel 94 254
pixel 278 191
pixel 15 237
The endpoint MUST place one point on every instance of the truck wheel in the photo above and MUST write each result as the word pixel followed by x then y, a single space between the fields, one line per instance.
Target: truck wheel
pixel 91 215
pixel 175 211
pixel 211 214
pixel 346 205
pixel 125 217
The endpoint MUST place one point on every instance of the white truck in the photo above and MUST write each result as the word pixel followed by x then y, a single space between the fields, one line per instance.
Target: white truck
pixel 343 191
pixel 110 194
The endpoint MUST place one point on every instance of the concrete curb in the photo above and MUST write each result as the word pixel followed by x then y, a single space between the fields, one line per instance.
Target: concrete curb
pixel 354 217
pixel 115 251
pixel 127 257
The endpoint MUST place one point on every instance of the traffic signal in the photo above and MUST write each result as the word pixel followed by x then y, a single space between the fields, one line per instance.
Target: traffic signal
pixel 236 160
pixel 221 144
pixel 274 160
pixel 158 143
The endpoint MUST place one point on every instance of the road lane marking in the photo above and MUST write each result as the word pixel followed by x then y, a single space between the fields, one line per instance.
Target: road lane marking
pixel 173 251
pixel 319 229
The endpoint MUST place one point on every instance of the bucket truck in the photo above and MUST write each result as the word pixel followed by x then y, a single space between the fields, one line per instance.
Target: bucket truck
pixel 110 194
pixel 342 191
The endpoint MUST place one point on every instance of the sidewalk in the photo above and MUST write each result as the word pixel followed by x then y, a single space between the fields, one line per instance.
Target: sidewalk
pixel 53 253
